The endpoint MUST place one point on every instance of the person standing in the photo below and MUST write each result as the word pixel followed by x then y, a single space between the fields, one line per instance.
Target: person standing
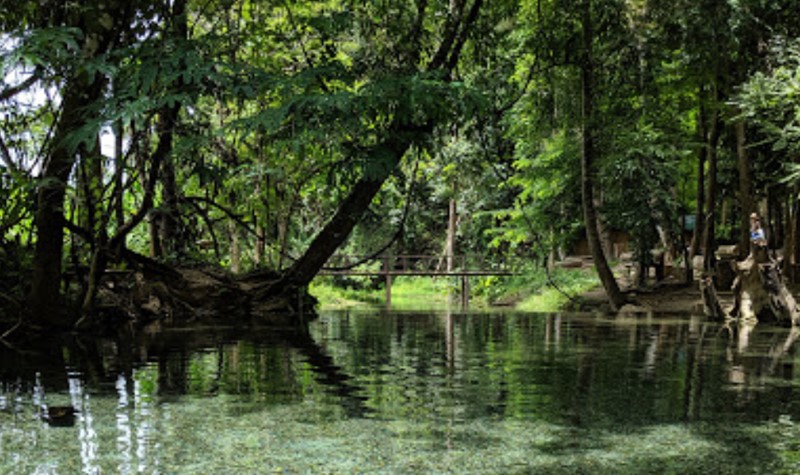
pixel 757 236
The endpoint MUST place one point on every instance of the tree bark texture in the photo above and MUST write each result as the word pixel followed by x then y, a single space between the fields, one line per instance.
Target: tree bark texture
pixel 45 298
pixel 709 232
pixel 745 188
pixel 588 167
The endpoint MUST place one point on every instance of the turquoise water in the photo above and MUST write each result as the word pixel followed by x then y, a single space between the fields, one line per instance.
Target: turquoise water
pixel 411 393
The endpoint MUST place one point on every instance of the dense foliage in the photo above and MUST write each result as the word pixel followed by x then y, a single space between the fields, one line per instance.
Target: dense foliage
pixel 258 134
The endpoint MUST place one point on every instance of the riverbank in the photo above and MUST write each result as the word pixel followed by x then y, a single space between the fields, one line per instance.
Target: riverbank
pixel 576 289
pixel 670 295
pixel 666 297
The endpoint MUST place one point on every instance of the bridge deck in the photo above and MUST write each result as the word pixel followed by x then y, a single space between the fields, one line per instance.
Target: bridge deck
pixel 419 273
pixel 417 265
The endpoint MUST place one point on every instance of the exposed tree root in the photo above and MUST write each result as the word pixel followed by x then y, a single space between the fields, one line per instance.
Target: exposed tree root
pixel 760 293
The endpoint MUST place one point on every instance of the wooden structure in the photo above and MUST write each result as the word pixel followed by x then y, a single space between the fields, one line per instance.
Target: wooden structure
pixel 462 267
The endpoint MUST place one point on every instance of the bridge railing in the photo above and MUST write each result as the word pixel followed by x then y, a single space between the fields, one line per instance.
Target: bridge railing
pixel 415 264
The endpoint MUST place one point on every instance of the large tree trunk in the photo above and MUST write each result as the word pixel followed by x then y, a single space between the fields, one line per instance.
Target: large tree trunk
pixel 173 237
pixel 45 297
pixel 588 167
pixel 347 216
pixel 389 152
pixel 102 24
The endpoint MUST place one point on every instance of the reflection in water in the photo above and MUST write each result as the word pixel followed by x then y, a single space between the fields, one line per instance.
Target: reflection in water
pixel 406 393
pixel 124 434
pixel 86 433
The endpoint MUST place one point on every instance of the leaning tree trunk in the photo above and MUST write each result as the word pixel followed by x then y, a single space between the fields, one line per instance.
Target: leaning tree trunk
pixel 339 227
pixel 588 168
pixel 399 139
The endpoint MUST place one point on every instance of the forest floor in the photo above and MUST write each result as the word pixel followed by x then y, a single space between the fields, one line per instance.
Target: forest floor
pixel 670 295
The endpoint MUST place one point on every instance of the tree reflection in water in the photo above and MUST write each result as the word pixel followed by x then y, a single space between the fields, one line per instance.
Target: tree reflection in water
pixel 156 402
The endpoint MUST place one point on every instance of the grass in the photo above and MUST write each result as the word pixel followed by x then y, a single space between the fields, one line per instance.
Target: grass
pixel 530 291
pixel 408 293
pixel 570 283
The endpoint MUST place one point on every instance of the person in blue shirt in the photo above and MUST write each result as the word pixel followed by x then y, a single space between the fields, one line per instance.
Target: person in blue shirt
pixel 757 236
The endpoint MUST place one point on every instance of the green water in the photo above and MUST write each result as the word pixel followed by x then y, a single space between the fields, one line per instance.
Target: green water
pixel 411 393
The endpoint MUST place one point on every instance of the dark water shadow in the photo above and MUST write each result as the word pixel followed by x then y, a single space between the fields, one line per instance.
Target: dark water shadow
pixel 49 361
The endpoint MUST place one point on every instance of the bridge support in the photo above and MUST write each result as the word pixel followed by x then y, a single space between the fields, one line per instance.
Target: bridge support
pixel 388 290
pixel 428 266
pixel 387 261
pixel 464 292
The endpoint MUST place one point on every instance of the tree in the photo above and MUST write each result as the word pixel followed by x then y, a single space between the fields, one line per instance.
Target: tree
pixel 588 160
pixel 409 124
pixel 99 31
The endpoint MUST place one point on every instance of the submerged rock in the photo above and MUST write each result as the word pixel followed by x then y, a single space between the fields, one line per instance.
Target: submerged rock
pixel 59 416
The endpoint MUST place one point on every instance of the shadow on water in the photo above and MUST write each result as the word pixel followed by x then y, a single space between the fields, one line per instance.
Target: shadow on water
pixel 50 362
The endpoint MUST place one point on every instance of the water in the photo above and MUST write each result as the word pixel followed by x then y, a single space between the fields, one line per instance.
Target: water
pixel 411 393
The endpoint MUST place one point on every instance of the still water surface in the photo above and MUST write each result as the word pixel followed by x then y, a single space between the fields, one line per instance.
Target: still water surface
pixel 391 393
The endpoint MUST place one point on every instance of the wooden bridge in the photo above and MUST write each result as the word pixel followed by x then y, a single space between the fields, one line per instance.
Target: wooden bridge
pixel 389 266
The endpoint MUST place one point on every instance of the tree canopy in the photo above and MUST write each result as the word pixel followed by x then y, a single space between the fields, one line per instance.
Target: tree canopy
pixel 269 135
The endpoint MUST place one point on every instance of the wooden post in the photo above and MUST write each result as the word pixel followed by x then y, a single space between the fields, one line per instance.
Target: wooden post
pixel 464 291
pixel 451 235
pixel 388 276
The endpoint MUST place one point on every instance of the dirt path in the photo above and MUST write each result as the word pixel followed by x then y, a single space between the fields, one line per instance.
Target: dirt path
pixel 667 296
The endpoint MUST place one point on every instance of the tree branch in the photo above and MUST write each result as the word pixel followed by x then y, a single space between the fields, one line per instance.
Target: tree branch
pixel 12 91
pixel 450 33
pixel 159 155
pixel 235 217
pixel 6 154
pixel 462 35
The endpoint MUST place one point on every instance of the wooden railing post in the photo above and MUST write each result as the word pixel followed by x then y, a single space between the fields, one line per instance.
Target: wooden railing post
pixel 464 291
pixel 388 276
